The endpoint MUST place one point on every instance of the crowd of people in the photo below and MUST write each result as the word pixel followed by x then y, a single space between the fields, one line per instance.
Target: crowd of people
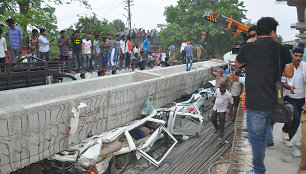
pixel 142 34
pixel 102 52
pixel 264 62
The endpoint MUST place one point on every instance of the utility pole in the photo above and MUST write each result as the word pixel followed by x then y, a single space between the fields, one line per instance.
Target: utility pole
pixel 129 13
pixel 129 3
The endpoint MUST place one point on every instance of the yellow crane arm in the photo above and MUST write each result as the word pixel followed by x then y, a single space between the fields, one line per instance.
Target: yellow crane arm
pixel 227 22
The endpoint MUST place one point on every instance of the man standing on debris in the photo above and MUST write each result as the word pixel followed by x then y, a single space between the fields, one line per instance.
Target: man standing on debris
pixel 236 89
pixel 258 57
pixel 220 76
pixel 223 100
pixel 296 96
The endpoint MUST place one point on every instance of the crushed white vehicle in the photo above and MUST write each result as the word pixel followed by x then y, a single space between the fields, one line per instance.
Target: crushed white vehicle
pixel 110 151
pixel 186 117
pixel 139 136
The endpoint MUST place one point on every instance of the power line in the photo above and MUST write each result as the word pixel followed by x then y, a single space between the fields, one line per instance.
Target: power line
pixel 127 7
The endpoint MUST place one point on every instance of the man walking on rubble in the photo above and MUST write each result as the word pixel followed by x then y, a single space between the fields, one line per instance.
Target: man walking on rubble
pixel 223 100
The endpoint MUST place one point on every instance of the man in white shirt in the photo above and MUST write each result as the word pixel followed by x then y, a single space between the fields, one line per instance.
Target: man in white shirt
pixel 183 51
pixel 136 51
pixel 87 47
pixel 295 96
pixel 44 45
pixel 223 100
pixel 3 51
pixel 123 51
pixel 163 57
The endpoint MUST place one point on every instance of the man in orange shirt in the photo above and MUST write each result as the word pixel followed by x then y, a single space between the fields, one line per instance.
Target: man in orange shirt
pixel 128 54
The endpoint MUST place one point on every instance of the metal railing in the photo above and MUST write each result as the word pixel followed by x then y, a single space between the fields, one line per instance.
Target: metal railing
pixel 20 75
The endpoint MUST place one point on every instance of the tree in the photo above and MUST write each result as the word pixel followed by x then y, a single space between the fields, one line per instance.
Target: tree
pixel 32 12
pixel 185 21
pixel 93 26
pixel 279 38
pixel 118 24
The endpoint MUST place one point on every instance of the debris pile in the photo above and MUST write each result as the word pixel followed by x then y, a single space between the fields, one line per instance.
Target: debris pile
pixel 153 137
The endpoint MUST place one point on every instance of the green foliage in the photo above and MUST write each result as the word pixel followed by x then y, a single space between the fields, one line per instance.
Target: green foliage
pixel 32 13
pixel 185 21
pixel 279 38
pixel 118 24
pixel 93 26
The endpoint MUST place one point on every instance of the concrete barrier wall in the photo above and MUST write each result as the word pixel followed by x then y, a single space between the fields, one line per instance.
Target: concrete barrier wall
pixel 34 121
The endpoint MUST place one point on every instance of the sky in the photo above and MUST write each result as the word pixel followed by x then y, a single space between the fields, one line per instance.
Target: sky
pixel 148 13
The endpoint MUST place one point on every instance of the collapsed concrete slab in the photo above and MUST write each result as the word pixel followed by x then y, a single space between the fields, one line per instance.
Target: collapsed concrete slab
pixel 34 121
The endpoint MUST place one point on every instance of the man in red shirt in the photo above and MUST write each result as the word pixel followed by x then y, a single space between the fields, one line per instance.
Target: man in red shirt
pixel 128 54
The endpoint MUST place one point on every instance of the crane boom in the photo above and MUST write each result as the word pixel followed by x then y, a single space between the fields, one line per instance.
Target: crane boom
pixel 227 22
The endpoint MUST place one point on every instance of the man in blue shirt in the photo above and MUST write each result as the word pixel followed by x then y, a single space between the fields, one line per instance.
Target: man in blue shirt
pixel 189 57
pixel 15 36
pixel 146 46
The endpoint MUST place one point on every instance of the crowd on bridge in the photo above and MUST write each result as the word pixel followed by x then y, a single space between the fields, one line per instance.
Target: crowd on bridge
pixel 103 52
